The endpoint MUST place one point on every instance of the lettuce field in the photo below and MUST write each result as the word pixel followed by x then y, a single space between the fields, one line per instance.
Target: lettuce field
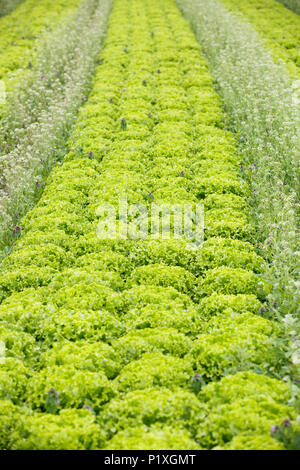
pixel 149 204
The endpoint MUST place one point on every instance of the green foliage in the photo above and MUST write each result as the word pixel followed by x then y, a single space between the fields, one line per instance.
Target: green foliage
pixel 82 355
pixel 39 255
pixel 14 377
pixel 152 406
pixel 70 430
pixel 168 252
pixel 84 295
pixel 10 416
pixel 278 26
pixel 153 438
pixel 231 343
pixel 74 325
pixel 242 403
pixel 155 370
pixel 225 280
pixel 184 319
pixel 141 296
pixel 252 442
pixel 227 223
pixel 19 345
pixel 227 252
pixel 65 386
pixel 107 261
pixel 103 340
pixel 256 73
pixel 20 279
pixel 19 30
pixel 31 312
pixel 217 304
pixel 288 434
pixel 166 276
pixel 7 6
pixel 292 4
pixel 39 68
pixel 220 184
pixel 136 343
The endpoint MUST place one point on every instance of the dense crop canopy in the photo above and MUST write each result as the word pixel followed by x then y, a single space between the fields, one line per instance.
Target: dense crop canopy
pixel 149 343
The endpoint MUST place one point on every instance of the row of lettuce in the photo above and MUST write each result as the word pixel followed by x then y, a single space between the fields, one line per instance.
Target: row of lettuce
pixel 292 5
pixel 40 110
pixel 140 344
pixel 20 30
pixel 7 6
pixel 279 27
